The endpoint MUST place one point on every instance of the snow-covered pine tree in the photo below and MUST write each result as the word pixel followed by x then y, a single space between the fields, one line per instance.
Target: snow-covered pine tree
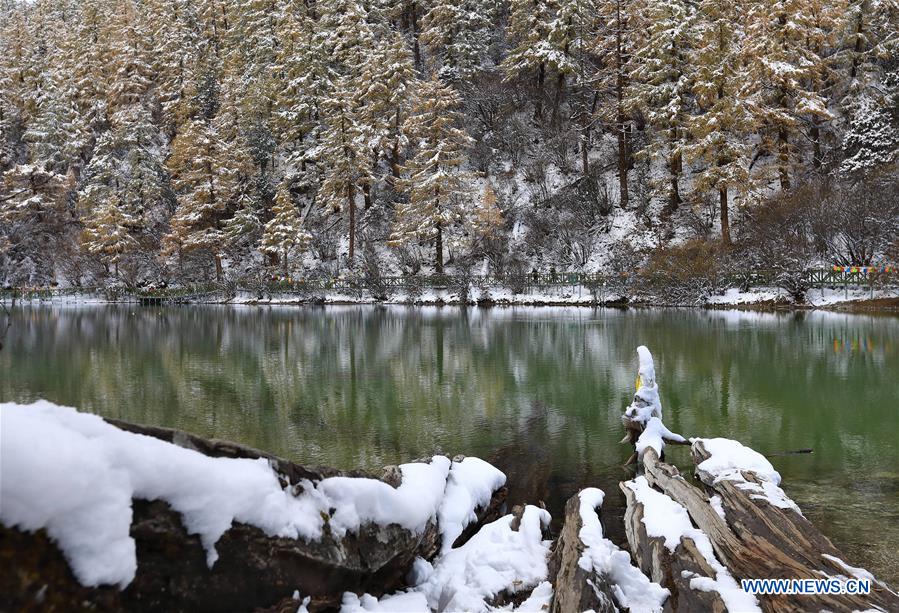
pixel 871 142
pixel 531 52
pixel 301 81
pixel 107 231
pixel 284 233
pixel 209 169
pixel 132 73
pixel 661 86
pixel 125 191
pixel 571 35
pixel 345 152
pixel 719 146
pixel 57 134
pixel 174 40
pixel 387 82
pixel 440 195
pixel 457 33
pixel 783 52
pixel 618 34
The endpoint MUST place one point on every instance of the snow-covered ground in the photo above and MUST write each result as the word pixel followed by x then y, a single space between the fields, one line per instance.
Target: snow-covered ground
pixel 574 295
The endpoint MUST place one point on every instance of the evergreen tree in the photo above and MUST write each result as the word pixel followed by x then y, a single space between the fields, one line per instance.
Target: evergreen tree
pixel 532 53
pixel 872 141
pixel 786 70
pixel 438 189
pixel 662 86
pixel 720 131
pixel 457 33
pixel 284 234
pixel 208 172
pixel 617 36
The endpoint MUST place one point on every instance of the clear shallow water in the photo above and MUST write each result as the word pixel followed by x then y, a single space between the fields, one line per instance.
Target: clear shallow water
pixel 537 391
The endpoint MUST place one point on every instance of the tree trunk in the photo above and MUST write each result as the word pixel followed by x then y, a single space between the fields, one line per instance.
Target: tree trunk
pixel 416 50
pixel 674 167
pixel 351 196
pixel 218 267
pixel 538 106
pixel 438 255
pixel 725 218
pixel 366 195
pixel 623 161
pixel 816 144
pixel 783 158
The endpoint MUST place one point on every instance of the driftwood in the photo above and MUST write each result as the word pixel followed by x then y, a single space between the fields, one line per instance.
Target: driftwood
pixel 673 570
pixel 756 541
pixel 576 589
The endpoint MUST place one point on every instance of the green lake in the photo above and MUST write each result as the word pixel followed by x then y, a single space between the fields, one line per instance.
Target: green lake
pixel 539 392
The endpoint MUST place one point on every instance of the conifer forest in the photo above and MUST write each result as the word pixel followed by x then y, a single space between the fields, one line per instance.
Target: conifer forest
pixel 174 141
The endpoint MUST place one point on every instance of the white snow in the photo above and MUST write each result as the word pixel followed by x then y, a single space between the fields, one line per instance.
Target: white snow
pixel 715 503
pixel 729 459
pixel 646 402
pixel 667 519
pixel 653 435
pixel 470 485
pixel 402 602
pixel 496 559
pixel 86 507
pixel 633 590
pixel 735 296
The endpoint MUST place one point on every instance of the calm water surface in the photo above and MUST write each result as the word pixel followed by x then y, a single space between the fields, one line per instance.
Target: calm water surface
pixel 537 391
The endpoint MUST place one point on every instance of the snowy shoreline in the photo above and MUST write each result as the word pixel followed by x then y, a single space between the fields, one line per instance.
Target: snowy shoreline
pixel 763 299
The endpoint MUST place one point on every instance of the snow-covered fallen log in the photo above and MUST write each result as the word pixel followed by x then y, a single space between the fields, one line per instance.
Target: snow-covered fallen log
pixel 699 544
pixel 131 520
pixel 699 541
pixel 590 572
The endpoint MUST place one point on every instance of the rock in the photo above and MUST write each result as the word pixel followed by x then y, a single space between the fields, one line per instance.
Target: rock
pixel 253 571
pixel 576 589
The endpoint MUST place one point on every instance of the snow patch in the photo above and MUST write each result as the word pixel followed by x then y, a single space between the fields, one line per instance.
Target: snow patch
pixel 470 485
pixel 496 559
pixel 653 435
pixel 729 459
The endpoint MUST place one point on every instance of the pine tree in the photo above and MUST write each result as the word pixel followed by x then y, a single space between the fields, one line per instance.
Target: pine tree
pixel 284 234
pixel 57 134
pixel 783 52
pixel 208 172
pixel 301 81
pixel 345 35
pixel 457 33
pixel 131 72
pixel 438 189
pixel 107 233
pixel 387 81
pixel 662 85
pixel 721 129
pixel 617 36
pixel 532 53
pixel 872 141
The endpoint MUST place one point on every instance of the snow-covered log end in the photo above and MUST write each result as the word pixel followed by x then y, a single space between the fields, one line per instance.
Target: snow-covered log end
pixel 643 418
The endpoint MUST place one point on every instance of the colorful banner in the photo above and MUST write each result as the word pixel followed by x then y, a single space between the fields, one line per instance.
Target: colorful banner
pixel 863 269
